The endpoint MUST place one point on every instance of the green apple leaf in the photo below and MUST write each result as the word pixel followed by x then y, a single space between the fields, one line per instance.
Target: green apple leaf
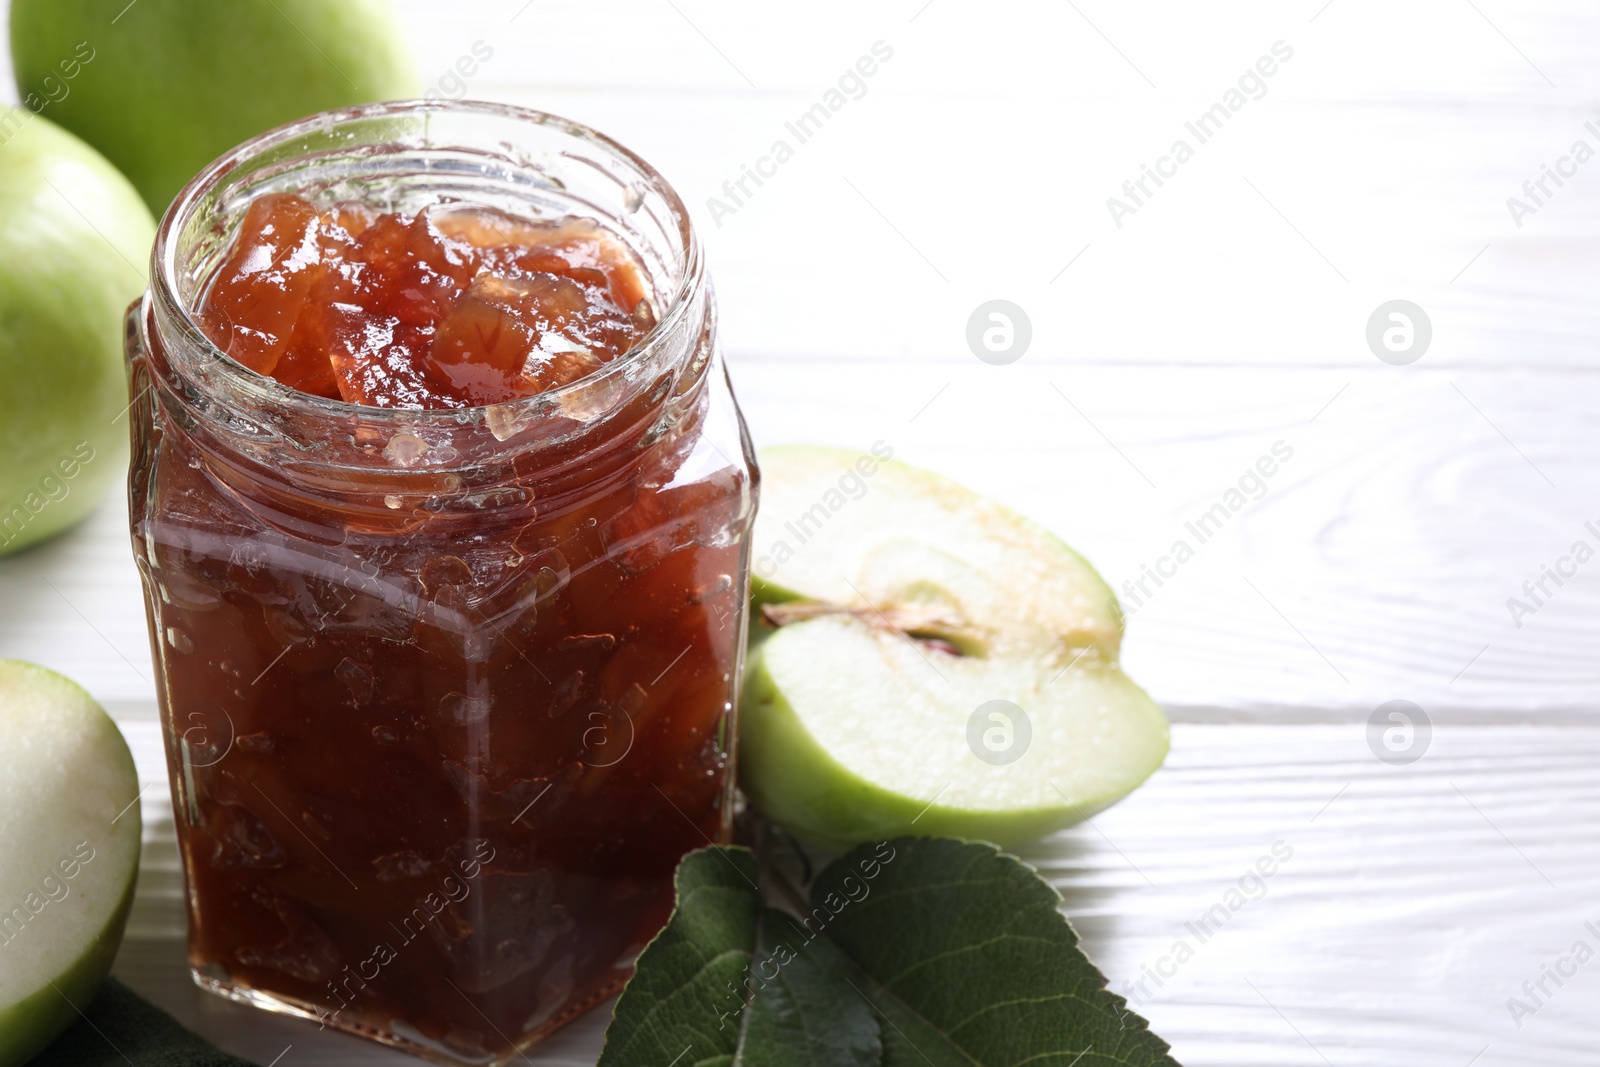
pixel 968 961
pixel 917 952
pixel 808 1014
pixel 731 983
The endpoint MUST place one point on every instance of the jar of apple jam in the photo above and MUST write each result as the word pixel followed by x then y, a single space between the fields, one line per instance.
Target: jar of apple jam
pixel 440 497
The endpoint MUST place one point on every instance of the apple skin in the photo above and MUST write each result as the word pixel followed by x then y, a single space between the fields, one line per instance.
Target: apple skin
pixel 176 83
pixel 31 1023
pixel 74 242
pixel 797 784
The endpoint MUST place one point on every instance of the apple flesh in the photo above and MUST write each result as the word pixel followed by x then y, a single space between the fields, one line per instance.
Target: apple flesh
pixel 176 83
pixel 939 663
pixel 69 835
pixel 74 241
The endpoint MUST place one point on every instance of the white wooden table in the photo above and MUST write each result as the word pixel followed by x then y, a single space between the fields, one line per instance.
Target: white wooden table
pixel 1227 313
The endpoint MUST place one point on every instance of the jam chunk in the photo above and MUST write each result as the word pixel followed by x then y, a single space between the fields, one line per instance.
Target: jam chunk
pixel 256 301
pixel 450 307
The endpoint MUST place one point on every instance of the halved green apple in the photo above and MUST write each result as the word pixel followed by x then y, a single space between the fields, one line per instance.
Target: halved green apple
pixel 928 661
pixel 69 853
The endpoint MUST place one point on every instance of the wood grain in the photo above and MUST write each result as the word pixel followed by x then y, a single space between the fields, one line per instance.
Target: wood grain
pixel 1413 902
pixel 1377 565
pixel 1168 355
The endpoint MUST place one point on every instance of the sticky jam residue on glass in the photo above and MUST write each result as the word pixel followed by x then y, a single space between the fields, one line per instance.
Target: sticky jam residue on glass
pixel 451 307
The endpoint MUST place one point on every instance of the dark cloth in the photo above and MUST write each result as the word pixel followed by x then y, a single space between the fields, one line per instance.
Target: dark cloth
pixel 122 1029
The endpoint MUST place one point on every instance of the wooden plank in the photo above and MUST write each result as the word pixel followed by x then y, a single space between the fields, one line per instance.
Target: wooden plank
pixel 1272 247
pixel 1377 563
pixel 1225 315
pixel 1027 52
pixel 1405 905
pixel 980 159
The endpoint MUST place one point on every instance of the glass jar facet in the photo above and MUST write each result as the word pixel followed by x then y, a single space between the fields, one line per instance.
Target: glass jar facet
pixel 446 694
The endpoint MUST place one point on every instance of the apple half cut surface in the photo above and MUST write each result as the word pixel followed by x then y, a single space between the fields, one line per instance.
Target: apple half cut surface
pixel 69 853
pixel 928 661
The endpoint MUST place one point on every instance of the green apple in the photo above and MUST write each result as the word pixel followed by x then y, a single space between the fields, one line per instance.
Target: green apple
pixel 74 242
pixel 69 835
pixel 163 87
pixel 929 662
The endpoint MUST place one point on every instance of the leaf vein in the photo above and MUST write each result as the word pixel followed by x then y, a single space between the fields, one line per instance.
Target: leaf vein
pixel 987 1008
pixel 663 1003
pixel 973 947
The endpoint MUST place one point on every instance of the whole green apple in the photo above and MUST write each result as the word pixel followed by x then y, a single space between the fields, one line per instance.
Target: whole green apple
pixel 163 87
pixel 69 838
pixel 74 241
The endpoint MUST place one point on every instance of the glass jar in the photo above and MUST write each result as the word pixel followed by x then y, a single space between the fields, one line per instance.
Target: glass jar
pixel 446 694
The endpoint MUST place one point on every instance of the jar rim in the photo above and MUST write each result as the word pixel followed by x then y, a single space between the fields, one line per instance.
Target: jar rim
pixel 260 391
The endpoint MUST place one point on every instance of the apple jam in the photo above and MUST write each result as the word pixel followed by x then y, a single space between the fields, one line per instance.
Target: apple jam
pixel 456 307
pixel 441 505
